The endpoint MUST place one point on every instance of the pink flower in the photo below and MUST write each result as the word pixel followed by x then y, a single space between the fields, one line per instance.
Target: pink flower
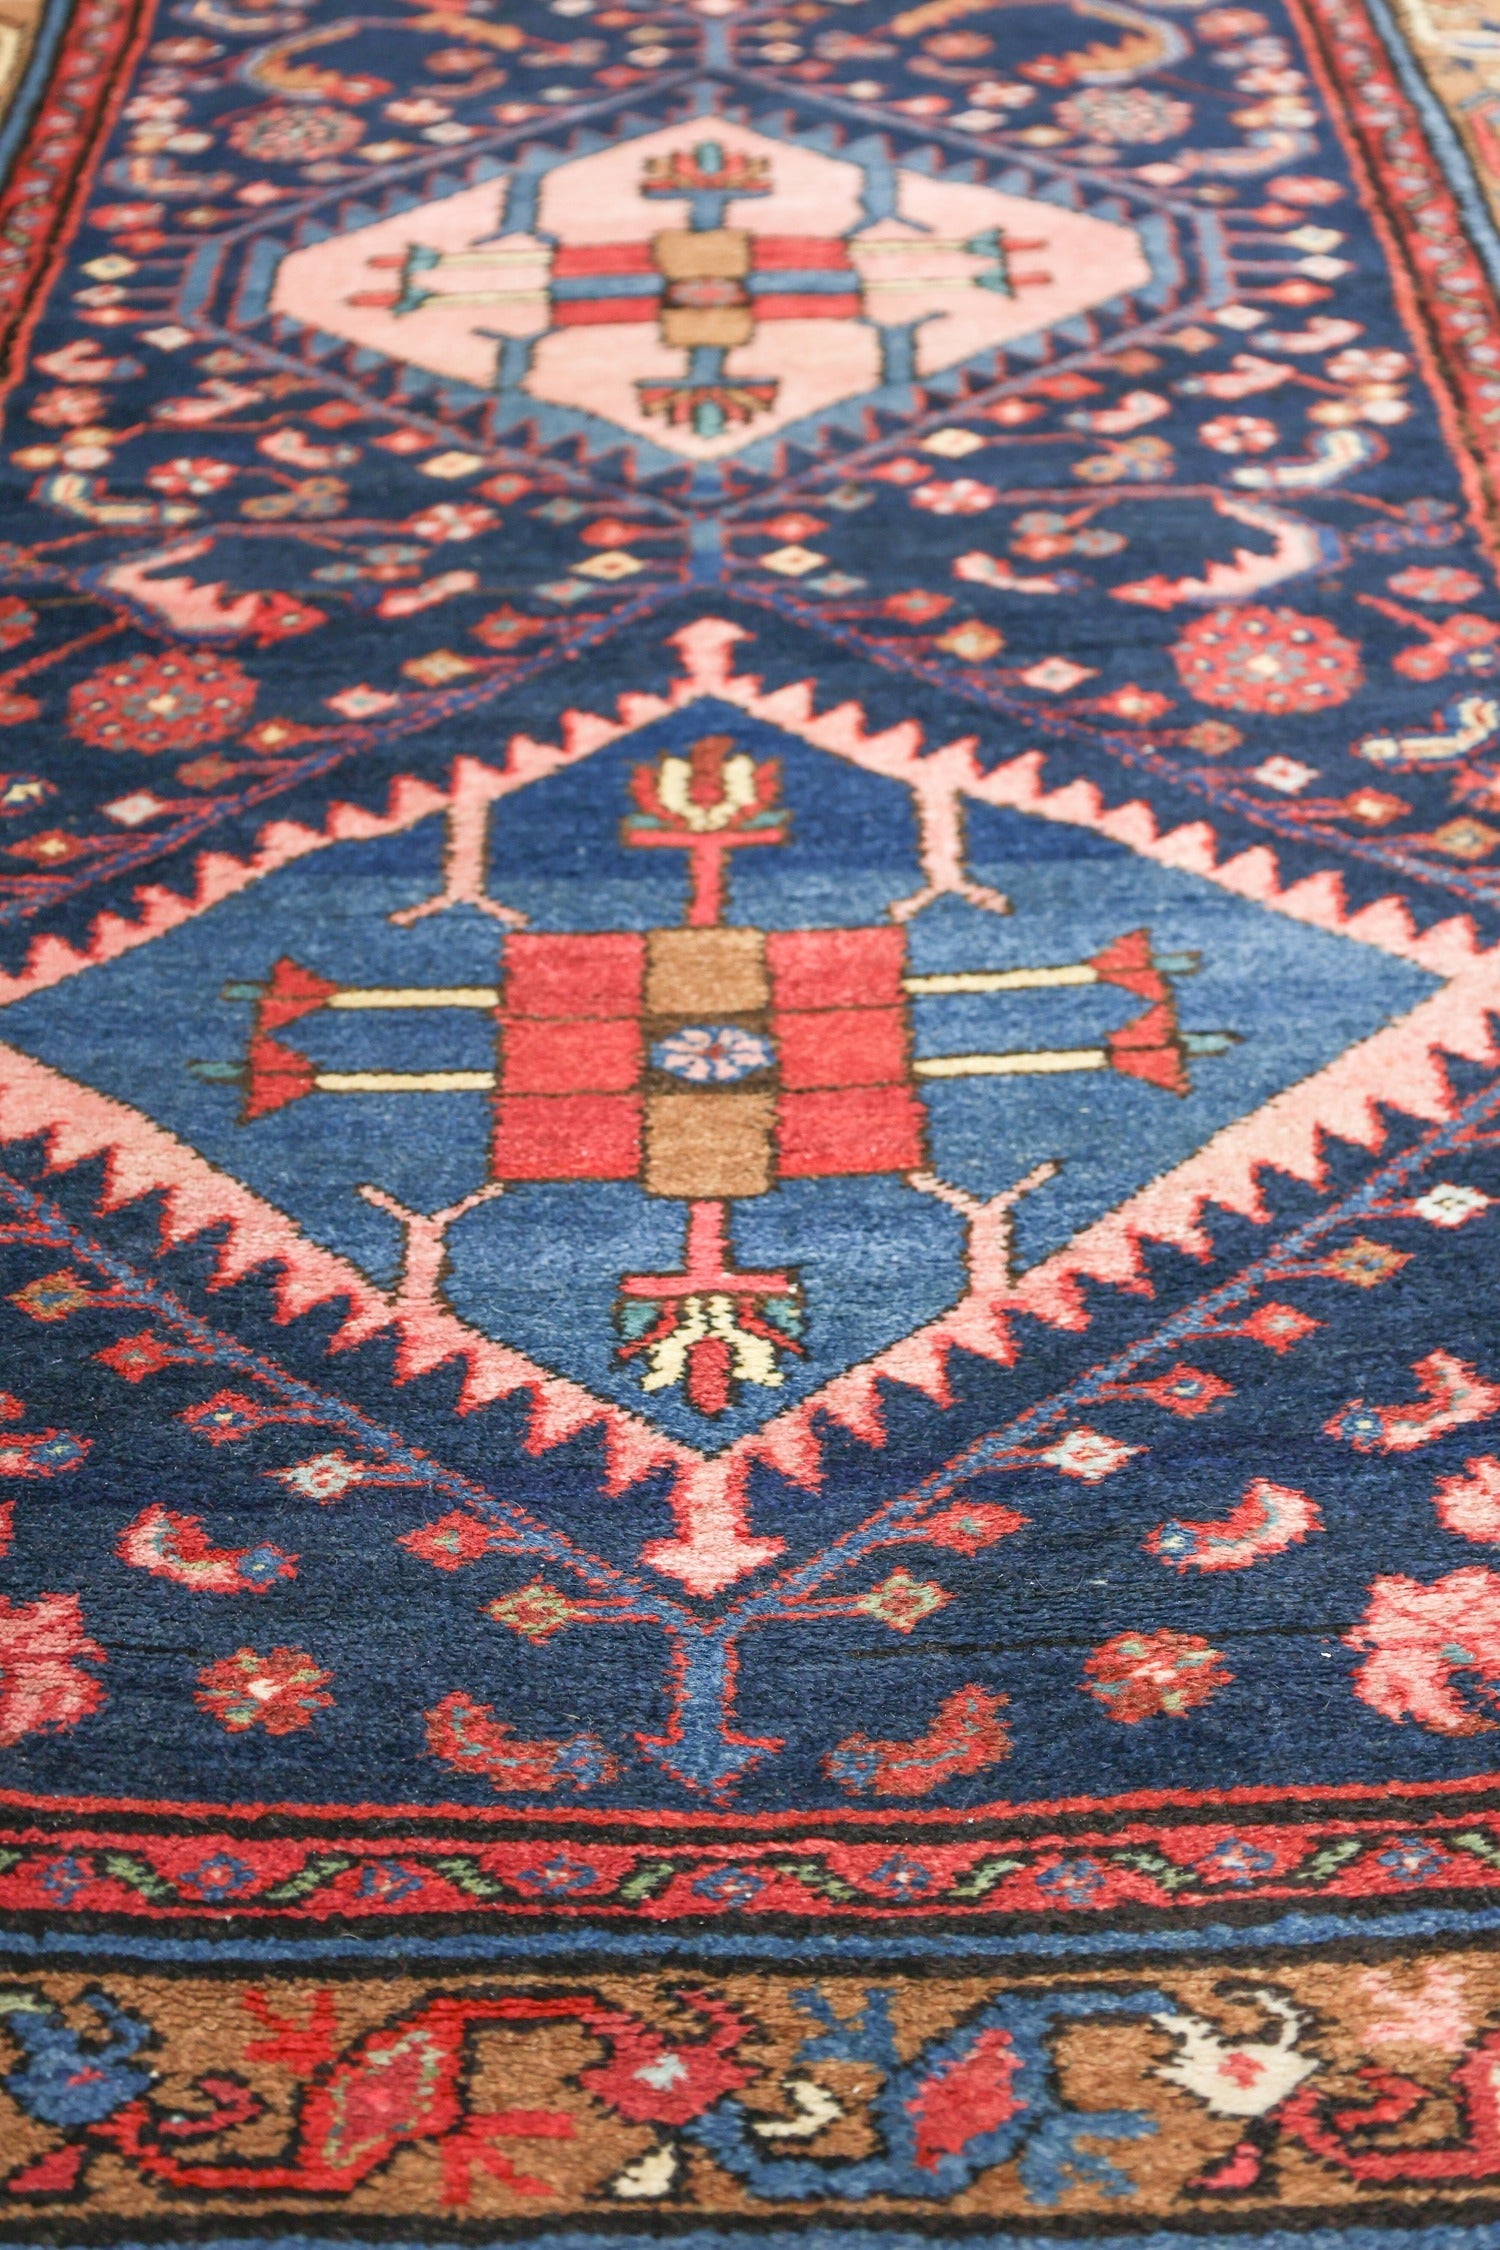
pixel 1239 433
pixel 42 1690
pixel 1293 187
pixel 1222 24
pixel 1433 1650
pixel 965 496
pixel 190 474
pixel 70 406
pixel 1367 366
pixel 1438 582
pixel 452 519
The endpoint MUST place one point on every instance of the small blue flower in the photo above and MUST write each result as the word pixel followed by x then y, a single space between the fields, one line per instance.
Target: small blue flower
pixel 63 1879
pixel 264 1564
pixel 1077 1882
pixel 729 1886
pixel 851 1769
pixel 900 1878
pixel 560 1875
pixel 1234 1861
pixel 1409 1860
pixel 59 1452
pixel 219 1877
pixel 713 1054
pixel 583 1760
pixel 387 1880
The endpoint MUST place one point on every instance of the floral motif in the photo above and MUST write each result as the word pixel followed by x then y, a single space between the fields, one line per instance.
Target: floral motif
pixel 452 1541
pixel 1446 1204
pixel 279 1692
pixel 902 1601
pixel 713 1054
pixel 1273 660
pixel 1139 1676
pixel 1089 1455
pixel 191 477
pixel 295 136
pixel 153 703
pixel 467 1735
pixel 1076 1882
pixel 1124 113
pixel 1435 582
pixel 1239 433
pixel 964 496
pixel 1425 1644
pixel 536 1611
pixel 218 1877
pixel 448 520
pixel 43 1647
pixel 71 406
pixel 1232 1860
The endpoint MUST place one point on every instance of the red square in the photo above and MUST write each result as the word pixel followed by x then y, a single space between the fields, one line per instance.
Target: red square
pixel 575 976
pixel 841 1047
pixel 876 1129
pixel 836 968
pixel 542 1057
pixel 567 1137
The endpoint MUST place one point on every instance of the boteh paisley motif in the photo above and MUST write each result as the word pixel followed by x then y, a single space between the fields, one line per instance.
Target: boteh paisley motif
pixel 750 1449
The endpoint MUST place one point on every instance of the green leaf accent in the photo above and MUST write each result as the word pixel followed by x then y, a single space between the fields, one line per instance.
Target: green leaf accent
pixel 982 1877
pixel 468 1876
pixel 310 1877
pixel 645 1880
pixel 1142 1860
pixel 1326 1861
pixel 124 1867
pixel 1480 1845
pixel 814 1876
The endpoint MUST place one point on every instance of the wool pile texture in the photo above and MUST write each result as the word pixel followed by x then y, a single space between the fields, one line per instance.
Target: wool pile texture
pixel 749 1124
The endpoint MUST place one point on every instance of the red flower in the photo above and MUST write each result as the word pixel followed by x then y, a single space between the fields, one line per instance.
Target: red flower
pixel 1267 660
pixel 1141 1675
pixel 295 136
pixel 279 1692
pixel 42 1689
pixel 16 621
pixel 451 1541
pixel 505 628
pixel 916 607
pixel 154 703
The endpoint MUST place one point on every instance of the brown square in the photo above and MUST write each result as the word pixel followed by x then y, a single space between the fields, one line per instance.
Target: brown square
pixel 700 1146
pixel 706 973
pixel 709 254
pixel 722 327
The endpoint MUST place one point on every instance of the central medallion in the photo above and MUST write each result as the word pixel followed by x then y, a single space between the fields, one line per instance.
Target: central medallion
pixel 709 1063
pixel 707 285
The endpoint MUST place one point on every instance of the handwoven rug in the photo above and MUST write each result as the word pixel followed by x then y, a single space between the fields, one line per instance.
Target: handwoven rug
pixel 750 1123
